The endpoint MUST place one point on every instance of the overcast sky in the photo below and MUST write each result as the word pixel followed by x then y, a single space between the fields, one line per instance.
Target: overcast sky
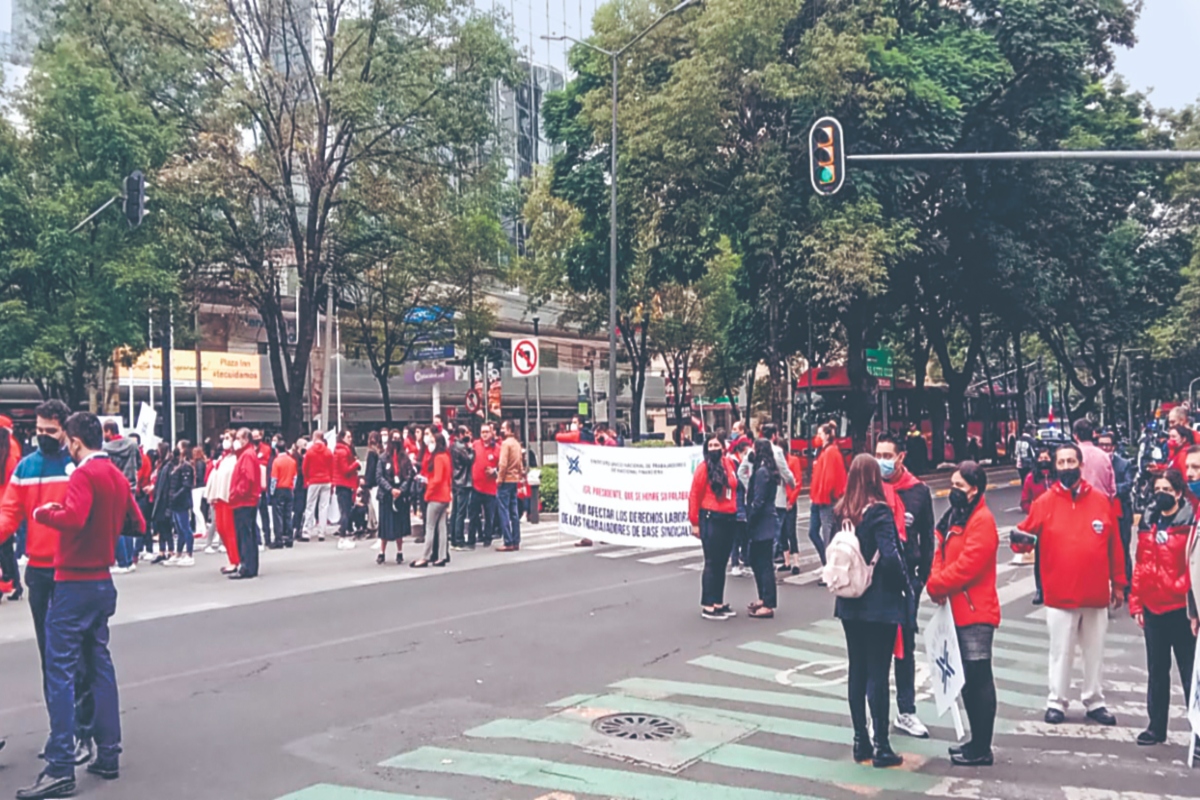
pixel 1167 55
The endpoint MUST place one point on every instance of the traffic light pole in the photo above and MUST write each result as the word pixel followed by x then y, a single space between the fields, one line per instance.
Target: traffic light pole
pixel 1032 155
pixel 96 213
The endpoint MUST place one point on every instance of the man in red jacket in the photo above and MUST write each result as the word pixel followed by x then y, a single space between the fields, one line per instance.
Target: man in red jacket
pixel 97 507
pixel 1083 572
pixel 345 484
pixel 245 489
pixel 317 469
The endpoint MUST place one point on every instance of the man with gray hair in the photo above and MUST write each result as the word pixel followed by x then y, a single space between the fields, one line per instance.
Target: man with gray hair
pixel 318 483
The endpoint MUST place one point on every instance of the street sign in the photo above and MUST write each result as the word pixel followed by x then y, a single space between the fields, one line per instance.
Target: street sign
pixel 473 401
pixel 435 353
pixel 879 364
pixel 526 358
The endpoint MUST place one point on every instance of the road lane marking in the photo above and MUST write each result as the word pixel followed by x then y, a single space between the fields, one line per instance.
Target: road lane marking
pixel 667 558
pixel 328 791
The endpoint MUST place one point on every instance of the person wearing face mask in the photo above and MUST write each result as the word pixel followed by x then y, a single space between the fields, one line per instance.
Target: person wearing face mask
pixel 462 456
pixel 220 480
pixel 915 524
pixel 1083 572
pixel 318 482
pixel 1036 484
pixel 283 487
pixel 245 489
pixel 713 512
pixel 299 493
pixel 345 481
pixel 963 572
pixel 1159 599
pixel 437 504
pixel 1193 546
pixel 41 478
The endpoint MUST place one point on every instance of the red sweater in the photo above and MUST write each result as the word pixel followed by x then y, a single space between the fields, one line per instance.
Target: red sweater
pixel 829 477
pixel 283 471
pixel 485 458
pixel 246 485
pixel 702 497
pixel 438 489
pixel 345 467
pixel 1081 556
pixel 318 464
pixel 92 515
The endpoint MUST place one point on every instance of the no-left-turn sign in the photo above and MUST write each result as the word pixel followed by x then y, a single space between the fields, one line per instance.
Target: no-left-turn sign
pixel 526 358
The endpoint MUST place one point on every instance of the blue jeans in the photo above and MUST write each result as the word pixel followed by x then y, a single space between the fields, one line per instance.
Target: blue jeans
pixel 126 549
pixel 77 632
pixel 183 531
pixel 481 519
pixel 510 517
pixel 820 528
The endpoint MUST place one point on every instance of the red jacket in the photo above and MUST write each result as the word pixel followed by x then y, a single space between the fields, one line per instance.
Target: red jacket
pixel 438 489
pixel 964 569
pixel 39 479
pixel 93 513
pixel 246 485
pixel 1160 575
pixel 345 467
pixel 318 464
pixel 1031 490
pixel 702 497
pixel 1081 558
pixel 485 458
pixel 283 471
pixel 797 469
pixel 829 477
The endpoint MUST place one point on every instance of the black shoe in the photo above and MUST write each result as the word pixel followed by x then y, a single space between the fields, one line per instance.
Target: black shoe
pixel 303 538
pixel 107 768
pixel 17 594
pixel 237 576
pixel 1102 716
pixel 379 559
pixel 399 558
pixel 1055 717
pixel 795 570
pixel 441 563
pixel 863 749
pixel 46 786
pixel 784 568
pixel 886 757
pixel 276 546
pixel 959 749
pixel 84 750
pixel 972 759
pixel 1148 738
pixel 288 544
pixel 1038 599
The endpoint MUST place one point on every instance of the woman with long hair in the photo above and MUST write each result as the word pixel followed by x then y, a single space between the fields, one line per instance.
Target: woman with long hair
pixel 394 477
pixel 964 573
pixel 762 525
pixel 371 476
pixel 160 508
pixel 183 477
pixel 437 503
pixel 220 479
pixel 713 511
pixel 871 621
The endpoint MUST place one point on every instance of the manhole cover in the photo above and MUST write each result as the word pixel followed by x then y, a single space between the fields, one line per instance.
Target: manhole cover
pixel 639 727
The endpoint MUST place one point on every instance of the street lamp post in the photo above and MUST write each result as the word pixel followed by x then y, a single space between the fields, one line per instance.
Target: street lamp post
pixel 614 56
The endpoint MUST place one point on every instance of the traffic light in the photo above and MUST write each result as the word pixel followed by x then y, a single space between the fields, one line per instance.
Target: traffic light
pixel 827 156
pixel 135 198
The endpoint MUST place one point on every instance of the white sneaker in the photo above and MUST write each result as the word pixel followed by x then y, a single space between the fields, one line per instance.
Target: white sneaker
pixel 221 549
pixel 211 550
pixel 132 567
pixel 262 548
pixel 909 724
pixel 173 561
pixel 186 561
pixel 345 543
pixel 118 570
pixel 22 561
pixel 736 571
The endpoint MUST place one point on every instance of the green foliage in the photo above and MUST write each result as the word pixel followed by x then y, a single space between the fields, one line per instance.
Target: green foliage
pixel 548 491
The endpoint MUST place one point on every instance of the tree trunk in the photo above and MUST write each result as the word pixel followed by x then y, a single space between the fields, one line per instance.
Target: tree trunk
pixel 386 392
pixel 749 396
pixel 956 395
pixel 861 394
pixel 937 424
pixel 1022 383
pixel 916 405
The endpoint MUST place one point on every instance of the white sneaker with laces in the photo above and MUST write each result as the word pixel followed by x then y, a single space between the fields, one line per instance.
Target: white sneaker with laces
pixel 736 571
pixel 173 561
pixel 186 561
pixel 212 551
pixel 911 725
pixel 345 543
pixel 117 570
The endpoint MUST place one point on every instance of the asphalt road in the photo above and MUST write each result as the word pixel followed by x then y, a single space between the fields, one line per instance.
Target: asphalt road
pixel 483 680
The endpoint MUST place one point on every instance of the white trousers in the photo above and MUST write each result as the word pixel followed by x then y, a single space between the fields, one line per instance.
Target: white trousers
pixel 316 508
pixel 1084 628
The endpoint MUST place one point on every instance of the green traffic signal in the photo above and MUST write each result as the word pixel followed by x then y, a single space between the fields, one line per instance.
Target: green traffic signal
pixel 826 175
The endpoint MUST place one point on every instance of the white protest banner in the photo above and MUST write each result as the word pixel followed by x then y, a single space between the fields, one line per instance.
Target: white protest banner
pixel 146 420
pixel 945 663
pixel 1194 709
pixel 627 495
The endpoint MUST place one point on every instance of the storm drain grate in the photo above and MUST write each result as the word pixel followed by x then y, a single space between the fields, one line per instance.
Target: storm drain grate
pixel 639 727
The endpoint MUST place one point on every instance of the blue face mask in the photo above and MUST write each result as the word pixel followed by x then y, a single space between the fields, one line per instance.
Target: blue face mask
pixel 1194 488
pixel 887 467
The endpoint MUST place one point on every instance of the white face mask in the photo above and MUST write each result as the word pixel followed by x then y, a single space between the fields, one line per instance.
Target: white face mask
pixel 430 442
pixel 226 444
pixel 238 445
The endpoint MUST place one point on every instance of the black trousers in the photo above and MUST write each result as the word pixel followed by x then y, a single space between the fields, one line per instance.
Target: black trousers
pixel 716 535
pixel 264 519
pixel 906 668
pixel 482 518
pixel 869 648
pixel 763 564
pixel 787 535
pixel 979 698
pixel 281 509
pixel 345 499
pixel 9 569
pixel 40 582
pixel 299 503
pixel 1166 633
pixel 245 524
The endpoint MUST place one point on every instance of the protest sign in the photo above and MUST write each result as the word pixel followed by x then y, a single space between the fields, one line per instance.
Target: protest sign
pixel 627 495
pixel 945 663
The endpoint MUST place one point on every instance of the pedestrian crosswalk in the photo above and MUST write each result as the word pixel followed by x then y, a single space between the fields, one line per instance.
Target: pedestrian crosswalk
pixel 766 719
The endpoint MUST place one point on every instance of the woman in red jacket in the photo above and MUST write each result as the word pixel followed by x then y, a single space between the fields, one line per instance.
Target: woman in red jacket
pixel 964 572
pixel 1158 600
pixel 1036 484
pixel 713 510
pixel 438 492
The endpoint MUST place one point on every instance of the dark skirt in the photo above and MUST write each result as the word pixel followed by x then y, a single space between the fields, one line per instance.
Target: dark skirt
pixel 393 525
